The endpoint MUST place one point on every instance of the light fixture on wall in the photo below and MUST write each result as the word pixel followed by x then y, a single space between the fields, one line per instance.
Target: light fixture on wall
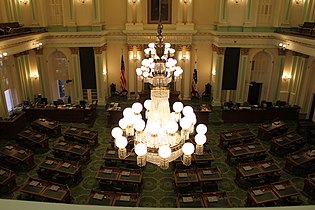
pixel 133 1
pixel 3 55
pixel 185 1
pixel 164 137
pixel 35 76
pixel 134 53
pixel 298 2
pixel 24 2
pixel 283 45
pixel 38 45
pixel 286 77
pixel 237 1
pixel 82 1
pixel 184 55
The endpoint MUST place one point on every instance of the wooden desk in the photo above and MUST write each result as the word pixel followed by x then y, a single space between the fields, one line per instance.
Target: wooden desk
pixel 126 199
pixel 18 155
pixel 309 186
pixel 7 180
pixel 102 198
pixel 269 130
pixel 105 198
pixel 216 200
pixel 284 144
pixel 114 114
pixel 202 114
pixel 81 135
pixel 11 127
pixel 284 189
pixel 46 190
pixel 112 154
pixel 261 196
pixel 54 166
pixel 65 148
pixel 245 150
pixel 301 162
pixel 306 125
pixel 189 201
pixel 47 126
pixel 33 140
pixel 183 176
pixel 61 113
pixel 244 172
pixel 236 136
pixel 209 174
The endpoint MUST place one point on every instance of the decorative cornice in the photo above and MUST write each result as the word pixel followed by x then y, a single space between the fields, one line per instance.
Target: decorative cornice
pixel 139 47
pixel 100 50
pixel 22 53
pixel 218 50
pixel 179 47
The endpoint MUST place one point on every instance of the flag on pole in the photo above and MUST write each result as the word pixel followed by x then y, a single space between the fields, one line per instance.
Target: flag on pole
pixel 122 75
pixel 195 79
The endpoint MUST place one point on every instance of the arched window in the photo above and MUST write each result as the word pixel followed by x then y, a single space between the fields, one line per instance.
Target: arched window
pixel 153 11
pixel 55 12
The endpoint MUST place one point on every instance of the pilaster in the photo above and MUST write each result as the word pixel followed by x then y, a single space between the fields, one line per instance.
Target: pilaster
pixel 217 67
pixel 241 78
pixel 75 71
pixel 101 72
pixel 280 65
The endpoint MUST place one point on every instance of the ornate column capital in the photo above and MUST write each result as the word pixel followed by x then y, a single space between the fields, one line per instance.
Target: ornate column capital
pixel 74 50
pixel 21 54
pixel 281 52
pixel 218 50
pixel 99 50
pixel 179 47
pixel 244 51
pixel 138 47
pixel 296 53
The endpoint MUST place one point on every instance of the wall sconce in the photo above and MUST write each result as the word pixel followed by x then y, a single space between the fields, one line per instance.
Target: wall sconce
pixel 286 77
pixel 3 55
pixel 185 1
pixel 82 1
pixel 237 1
pixel 38 45
pixel 35 76
pixel 283 45
pixel 184 56
pixel 25 2
pixel 104 72
pixel 213 72
pixel 133 1
pixel 298 2
pixel 134 53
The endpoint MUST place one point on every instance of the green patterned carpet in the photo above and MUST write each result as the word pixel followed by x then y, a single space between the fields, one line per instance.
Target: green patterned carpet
pixel 158 190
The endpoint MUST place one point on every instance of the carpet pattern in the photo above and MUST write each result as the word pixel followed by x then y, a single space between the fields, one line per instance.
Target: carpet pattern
pixel 158 187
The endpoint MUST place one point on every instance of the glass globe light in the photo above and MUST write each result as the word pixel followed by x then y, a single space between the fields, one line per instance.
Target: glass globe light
pixel 145 74
pixel 172 127
pixel 200 139
pixel 185 123
pixel 164 151
pixel 178 106
pixel 167 45
pixel 122 123
pixel 139 71
pixel 137 107
pixel 127 112
pixel 121 142
pixel 176 74
pixel 130 120
pixel 188 148
pixel 141 149
pixel 201 128
pixel 151 45
pixel 116 132
pixel 147 104
pixel 187 110
pixel 139 125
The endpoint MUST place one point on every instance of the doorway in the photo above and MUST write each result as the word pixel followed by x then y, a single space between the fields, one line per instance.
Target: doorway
pixel 254 93
pixel 312 109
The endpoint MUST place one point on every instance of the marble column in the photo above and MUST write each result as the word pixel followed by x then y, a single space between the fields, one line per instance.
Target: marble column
pixel 187 72
pixel 241 77
pixel 133 63
pixel 217 68
pixel 43 75
pixel 279 65
pixel 75 73
pixel 101 72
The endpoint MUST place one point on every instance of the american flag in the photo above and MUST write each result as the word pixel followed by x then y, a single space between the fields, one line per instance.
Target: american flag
pixel 195 80
pixel 122 75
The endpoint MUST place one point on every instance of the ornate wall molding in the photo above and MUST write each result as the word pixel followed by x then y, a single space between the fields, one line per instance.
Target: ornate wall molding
pixel 244 51
pixel 100 50
pixel 74 50
pixel 139 47
pixel 218 50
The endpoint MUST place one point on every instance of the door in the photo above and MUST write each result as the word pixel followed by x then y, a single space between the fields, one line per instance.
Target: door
pixel 312 109
pixel 254 93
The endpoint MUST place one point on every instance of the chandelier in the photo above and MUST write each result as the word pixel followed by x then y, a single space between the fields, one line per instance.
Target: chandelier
pixel 163 136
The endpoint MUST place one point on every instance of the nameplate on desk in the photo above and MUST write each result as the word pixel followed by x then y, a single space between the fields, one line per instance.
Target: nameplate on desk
pixel 49 162
pixel 111 152
pixel 207 172
pixel 125 173
pixel 9 147
pixel 108 171
pixel 54 188
pixel 21 151
pixel 258 192
pixel 62 143
pixel 212 199
pixel 228 134
pixel 188 199
pixel 124 198
pixel 265 165
pixel 276 123
pixel 66 165
pixel 279 139
pixel 51 123
pixel 289 135
pixel 98 196
pixel 182 175
pixel 77 147
pixel 237 148
pixel 279 187
pixel 251 146
pixel 295 157
pixel 2 172
pixel 33 183
pixel 86 132
pixel 247 168
pixel 27 131
pixel 73 129
pixel 38 135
